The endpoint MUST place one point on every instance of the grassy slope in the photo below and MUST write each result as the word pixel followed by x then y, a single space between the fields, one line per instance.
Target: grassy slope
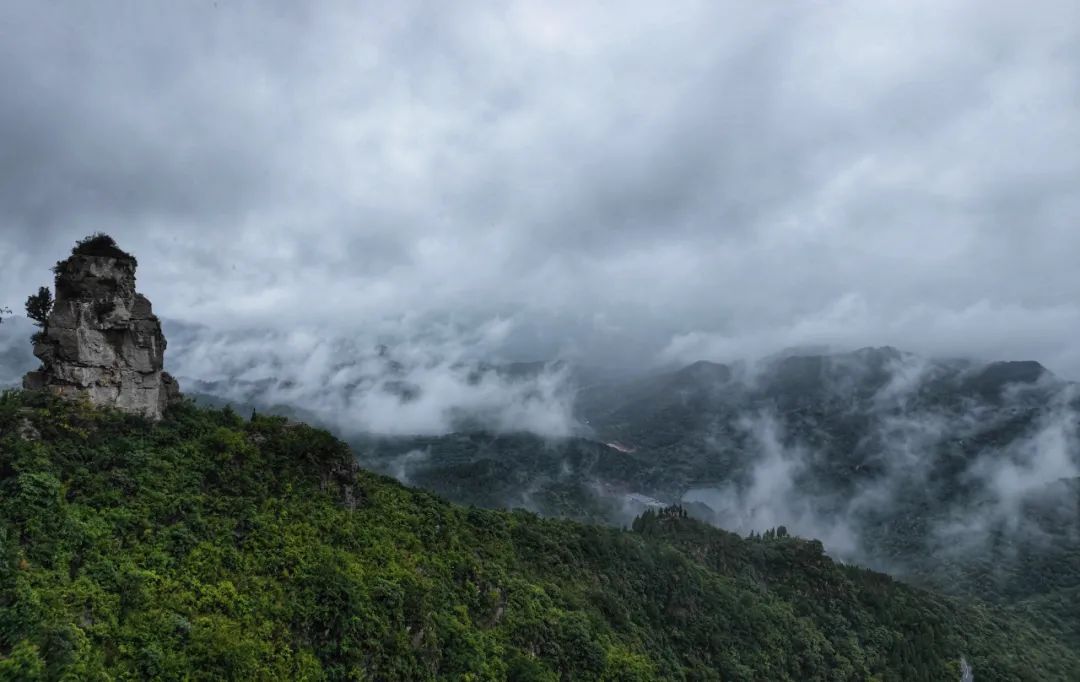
pixel 214 548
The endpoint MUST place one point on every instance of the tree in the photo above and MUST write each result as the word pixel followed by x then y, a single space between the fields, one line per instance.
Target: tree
pixel 38 307
pixel 4 311
pixel 99 244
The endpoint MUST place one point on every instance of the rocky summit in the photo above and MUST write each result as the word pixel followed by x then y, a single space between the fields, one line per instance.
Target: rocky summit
pixel 101 341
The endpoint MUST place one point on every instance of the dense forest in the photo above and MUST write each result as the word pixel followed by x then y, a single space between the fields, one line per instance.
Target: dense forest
pixel 211 546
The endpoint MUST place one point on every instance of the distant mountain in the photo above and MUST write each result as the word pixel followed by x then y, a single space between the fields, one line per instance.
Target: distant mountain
pixel 954 474
pixel 572 478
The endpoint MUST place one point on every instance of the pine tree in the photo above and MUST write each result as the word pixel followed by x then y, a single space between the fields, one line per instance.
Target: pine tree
pixel 38 307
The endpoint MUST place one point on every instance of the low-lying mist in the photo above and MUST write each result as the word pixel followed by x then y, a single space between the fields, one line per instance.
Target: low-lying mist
pixel 932 458
pixel 426 383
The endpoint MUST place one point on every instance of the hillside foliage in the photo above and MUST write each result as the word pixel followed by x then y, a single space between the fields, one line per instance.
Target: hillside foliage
pixel 214 547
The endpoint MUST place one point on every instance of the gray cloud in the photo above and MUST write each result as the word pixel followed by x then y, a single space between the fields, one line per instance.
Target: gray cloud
pixel 635 184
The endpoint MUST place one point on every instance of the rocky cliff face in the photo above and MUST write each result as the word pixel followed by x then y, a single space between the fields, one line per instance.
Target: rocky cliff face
pixel 102 341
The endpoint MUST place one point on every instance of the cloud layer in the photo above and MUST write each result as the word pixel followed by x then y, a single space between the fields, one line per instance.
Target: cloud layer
pixel 630 183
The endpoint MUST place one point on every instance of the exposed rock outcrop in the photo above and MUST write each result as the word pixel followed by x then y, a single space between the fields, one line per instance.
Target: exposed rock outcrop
pixel 102 341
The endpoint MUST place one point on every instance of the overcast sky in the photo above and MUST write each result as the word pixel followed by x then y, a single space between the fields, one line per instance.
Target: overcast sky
pixel 646 182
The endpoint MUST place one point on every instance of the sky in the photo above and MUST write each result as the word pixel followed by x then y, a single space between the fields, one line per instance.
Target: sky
pixel 635 183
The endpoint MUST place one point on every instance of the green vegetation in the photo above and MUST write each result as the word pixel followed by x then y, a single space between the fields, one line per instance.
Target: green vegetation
pixel 99 244
pixel 551 477
pixel 210 547
pixel 38 307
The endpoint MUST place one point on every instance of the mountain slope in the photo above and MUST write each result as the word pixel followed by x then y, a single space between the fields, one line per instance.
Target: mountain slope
pixel 216 548
pixel 951 474
pixel 570 478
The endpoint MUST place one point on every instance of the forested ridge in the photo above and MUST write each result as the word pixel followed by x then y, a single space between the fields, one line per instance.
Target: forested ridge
pixel 211 546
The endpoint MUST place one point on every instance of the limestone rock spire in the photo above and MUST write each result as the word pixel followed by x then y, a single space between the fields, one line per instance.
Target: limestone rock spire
pixel 102 341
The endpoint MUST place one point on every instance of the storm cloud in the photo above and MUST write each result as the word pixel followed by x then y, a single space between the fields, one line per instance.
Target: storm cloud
pixel 620 182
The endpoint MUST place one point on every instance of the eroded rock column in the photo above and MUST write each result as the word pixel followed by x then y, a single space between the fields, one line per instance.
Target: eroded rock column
pixel 102 340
